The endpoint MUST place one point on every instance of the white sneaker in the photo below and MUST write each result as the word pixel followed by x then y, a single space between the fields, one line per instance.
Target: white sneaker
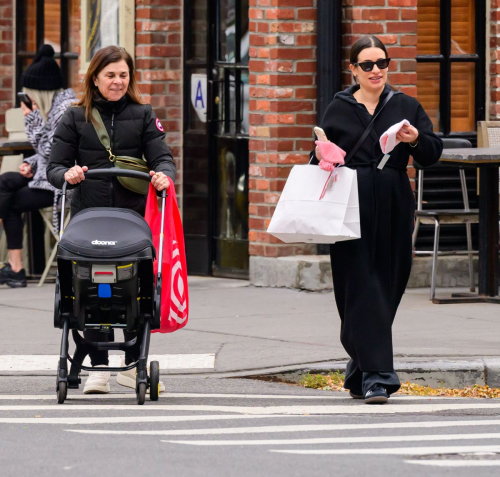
pixel 97 382
pixel 127 378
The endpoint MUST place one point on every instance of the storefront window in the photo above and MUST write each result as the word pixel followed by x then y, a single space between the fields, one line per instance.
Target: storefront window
pixel 53 22
pixel 105 23
pixel 451 63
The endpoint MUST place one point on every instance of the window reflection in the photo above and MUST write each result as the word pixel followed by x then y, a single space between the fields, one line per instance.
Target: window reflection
pixel 102 25
pixel 227 30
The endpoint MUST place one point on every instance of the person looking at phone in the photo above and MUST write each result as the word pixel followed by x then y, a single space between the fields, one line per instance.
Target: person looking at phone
pixel 43 103
pixel 370 274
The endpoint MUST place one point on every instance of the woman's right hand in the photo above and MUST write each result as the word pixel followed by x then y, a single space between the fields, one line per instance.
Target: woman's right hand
pixel 319 157
pixel 25 170
pixel 75 175
pixel 25 109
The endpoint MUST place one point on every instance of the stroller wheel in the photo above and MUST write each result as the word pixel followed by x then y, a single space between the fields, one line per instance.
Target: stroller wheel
pixel 154 380
pixel 141 393
pixel 62 392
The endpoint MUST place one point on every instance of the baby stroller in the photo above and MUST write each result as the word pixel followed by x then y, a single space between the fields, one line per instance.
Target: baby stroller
pixel 105 280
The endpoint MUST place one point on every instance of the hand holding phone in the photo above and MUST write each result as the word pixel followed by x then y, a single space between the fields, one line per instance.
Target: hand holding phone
pixel 320 134
pixel 25 99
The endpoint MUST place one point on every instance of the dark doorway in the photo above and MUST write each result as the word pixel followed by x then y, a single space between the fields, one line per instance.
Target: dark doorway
pixel 215 150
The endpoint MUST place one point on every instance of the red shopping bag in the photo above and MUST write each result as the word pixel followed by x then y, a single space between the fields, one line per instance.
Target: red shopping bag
pixel 174 293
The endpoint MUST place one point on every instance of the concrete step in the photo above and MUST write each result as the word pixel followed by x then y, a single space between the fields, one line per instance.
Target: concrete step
pixel 455 373
pixel 313 272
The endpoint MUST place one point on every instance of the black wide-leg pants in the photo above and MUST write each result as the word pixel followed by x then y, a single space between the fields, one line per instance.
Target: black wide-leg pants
pixel 101 357
pixel 370 275
pixel 15 198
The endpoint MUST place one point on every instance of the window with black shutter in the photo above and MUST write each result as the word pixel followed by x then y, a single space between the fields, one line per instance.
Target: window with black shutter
pixel 451 86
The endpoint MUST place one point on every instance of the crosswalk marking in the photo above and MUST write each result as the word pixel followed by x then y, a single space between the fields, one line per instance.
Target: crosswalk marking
pixel 294 428
pixel 341 440
pixel 456 463
pixel 23 363
pixel 269 410
pixel 393 450
pixel 131 419
pixel 74 397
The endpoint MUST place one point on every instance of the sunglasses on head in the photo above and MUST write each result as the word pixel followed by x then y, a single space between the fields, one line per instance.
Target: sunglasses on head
pixel 368 65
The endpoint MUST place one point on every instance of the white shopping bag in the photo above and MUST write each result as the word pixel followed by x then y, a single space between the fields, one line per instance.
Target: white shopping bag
pixel 301 216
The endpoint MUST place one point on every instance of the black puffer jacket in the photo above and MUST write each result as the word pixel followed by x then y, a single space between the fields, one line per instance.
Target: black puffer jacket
pixel 134 131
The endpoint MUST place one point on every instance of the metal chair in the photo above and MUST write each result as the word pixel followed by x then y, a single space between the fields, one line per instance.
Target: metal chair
pixel 488 134
pixel 438 217
pixel 47 218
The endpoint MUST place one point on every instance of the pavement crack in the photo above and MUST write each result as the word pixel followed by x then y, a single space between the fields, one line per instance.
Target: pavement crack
pixel 25 308
pixel 256 337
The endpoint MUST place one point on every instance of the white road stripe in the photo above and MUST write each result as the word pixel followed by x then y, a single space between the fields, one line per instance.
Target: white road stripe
pixel 269 410
pixel 120 420
pixel 395 450
pixel 341 440
pixel 77 397
pixel 46 362
pixel 294 428
pixel 456 463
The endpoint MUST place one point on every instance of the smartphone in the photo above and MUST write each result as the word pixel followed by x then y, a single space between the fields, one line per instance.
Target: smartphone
pixel 24 98
pixel 320 134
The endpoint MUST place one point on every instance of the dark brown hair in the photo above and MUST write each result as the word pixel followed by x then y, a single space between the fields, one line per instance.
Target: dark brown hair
pixel 101 59
pixel 363 43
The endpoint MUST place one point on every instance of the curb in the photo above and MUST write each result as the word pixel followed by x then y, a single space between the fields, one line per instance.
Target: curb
pixel 454 373
pixel 447 372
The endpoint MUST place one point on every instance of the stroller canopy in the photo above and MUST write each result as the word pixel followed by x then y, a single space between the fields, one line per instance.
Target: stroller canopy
pixel 106 232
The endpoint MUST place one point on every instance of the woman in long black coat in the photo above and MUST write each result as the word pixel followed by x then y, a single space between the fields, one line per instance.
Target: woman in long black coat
pixel 370 274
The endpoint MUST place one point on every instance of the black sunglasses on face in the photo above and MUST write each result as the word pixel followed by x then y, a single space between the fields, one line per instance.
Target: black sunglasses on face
pixel 368 65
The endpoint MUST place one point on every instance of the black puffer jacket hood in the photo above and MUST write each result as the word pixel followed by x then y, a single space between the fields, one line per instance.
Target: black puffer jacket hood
pixel 134 131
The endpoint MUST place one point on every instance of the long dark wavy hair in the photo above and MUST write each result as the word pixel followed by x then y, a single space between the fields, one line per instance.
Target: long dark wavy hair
pixel 101 59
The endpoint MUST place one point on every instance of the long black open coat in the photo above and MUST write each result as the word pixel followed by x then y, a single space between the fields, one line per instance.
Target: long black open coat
pixel 370 274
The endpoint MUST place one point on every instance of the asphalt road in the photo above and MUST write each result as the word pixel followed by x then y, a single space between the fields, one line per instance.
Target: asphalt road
pixel 238 427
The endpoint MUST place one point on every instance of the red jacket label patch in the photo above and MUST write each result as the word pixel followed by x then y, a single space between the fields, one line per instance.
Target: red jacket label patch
pixel 158 125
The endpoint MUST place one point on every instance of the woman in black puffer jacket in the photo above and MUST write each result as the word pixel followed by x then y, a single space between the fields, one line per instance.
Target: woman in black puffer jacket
pixel 134 131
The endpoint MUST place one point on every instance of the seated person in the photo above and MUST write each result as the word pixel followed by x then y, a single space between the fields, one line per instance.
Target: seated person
pixel 29 189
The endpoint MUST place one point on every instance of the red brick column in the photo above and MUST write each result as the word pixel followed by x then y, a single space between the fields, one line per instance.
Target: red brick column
pixel 6 60
pixel 395 23
pixel 494 54
pixel 158 54
pixel 282 109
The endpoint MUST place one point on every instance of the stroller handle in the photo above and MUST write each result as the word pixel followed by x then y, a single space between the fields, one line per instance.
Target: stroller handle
pixel 113 171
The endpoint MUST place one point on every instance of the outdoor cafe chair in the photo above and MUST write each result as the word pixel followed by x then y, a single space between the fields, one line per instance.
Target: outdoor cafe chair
pixel 438 217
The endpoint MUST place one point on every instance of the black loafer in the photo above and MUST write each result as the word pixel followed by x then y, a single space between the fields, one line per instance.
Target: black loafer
pixel 11 278
pixel 355 395
pixel 377 394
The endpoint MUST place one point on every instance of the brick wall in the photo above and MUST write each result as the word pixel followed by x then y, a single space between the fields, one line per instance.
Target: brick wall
pixel 494 113
pixel 395 23
pixel 6 60
pixel 158 54
pixel 282 109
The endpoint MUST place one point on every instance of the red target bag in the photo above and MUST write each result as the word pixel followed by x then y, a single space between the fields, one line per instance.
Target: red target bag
pixel 174 293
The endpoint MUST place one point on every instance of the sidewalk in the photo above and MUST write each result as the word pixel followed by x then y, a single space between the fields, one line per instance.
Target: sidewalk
pixel 257 331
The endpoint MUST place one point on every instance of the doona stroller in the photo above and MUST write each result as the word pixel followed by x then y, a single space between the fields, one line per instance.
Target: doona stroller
pixel 105 280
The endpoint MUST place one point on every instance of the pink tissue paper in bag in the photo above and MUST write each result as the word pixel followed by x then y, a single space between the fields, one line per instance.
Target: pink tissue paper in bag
pixel 331 154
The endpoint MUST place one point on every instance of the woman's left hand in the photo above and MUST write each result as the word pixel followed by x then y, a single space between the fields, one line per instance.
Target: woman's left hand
pixel 159 180
pixel 407 134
